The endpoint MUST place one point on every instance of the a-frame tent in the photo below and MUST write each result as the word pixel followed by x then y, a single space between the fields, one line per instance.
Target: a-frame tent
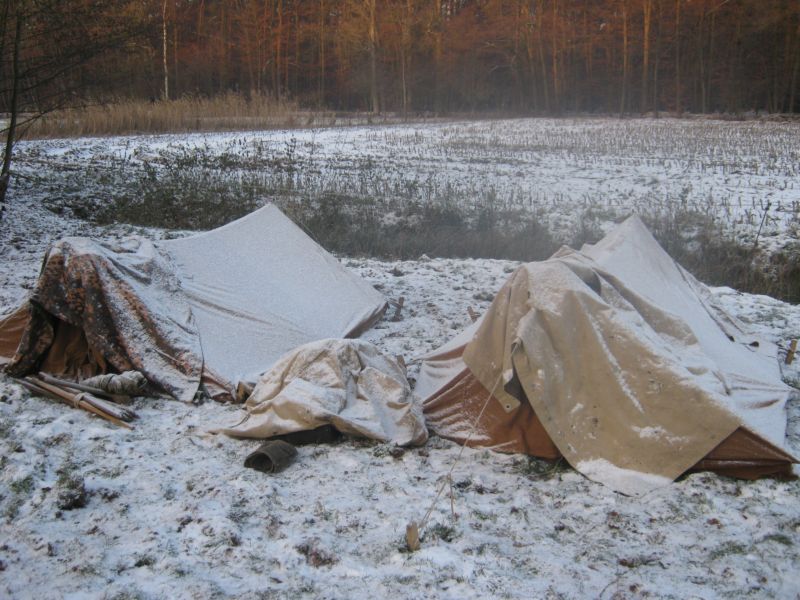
pixel 616 359
pixel 218 307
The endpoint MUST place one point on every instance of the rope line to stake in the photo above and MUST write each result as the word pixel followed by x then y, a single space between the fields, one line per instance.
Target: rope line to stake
pixel 449 477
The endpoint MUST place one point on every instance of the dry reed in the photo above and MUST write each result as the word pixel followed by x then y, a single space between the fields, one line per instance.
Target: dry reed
pixel 226 112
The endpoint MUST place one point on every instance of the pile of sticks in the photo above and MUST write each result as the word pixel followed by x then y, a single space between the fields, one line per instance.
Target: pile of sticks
pixel 90 399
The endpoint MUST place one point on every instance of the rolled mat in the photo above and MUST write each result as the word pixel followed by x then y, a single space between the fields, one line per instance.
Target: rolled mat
pixel 271 457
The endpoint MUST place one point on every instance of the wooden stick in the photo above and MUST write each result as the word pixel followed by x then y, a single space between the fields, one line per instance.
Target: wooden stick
pixel 120 412
pixel 37 390
pixel 117 398
pixel 399 307
pixel 792 350
pixel 53 389
pixel 472 314
pixel 100 413
pixel 89 402
pixel 72 384
pixel 110 408
pixel 77 401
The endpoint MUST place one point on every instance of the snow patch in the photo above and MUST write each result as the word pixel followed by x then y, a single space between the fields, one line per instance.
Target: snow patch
pixel 632 483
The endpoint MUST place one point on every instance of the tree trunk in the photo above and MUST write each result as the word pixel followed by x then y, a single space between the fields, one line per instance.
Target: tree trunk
pixel 175 57
pixel 703 66
pixel 657 62
pixel 544 68
pixel 373 58
pixel 321 85
pixel 405 49
pixel 5 172
pixel 624 90
pixel 437 64
pixel 710 62
pixel 554 32
pixel 647 9
pixel 795 70
pixel 223 51
pixel 678 108
pixel 296 77
pixel 278 51
pixel 164 48
pixel 587 52
pixel 531 53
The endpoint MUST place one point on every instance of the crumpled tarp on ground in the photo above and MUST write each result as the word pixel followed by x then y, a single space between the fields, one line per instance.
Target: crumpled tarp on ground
pixel 349 384
pixel 125 301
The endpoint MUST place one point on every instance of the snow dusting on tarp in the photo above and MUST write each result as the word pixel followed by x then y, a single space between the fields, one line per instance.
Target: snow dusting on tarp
pixel 744 364
pixel 623 331
pixel 259 287
pixel 349 384
pixel 126 301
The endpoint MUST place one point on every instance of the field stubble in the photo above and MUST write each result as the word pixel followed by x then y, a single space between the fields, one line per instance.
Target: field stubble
pixel 719 196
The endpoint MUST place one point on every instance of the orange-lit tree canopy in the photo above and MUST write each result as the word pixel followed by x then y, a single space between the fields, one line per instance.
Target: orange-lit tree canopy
pixel 528 56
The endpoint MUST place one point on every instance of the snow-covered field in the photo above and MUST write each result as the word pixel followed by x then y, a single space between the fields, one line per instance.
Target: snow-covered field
pixel 570 173
pixel 170 512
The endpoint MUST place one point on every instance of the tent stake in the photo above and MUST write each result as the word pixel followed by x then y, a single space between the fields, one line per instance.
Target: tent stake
pixel 413 528
pixel 398 308
pixel 790 354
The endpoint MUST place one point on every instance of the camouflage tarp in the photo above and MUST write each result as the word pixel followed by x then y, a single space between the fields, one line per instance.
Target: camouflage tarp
pixel 126 302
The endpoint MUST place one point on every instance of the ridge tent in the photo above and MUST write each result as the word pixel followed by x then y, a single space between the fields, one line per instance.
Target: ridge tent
pixel 217 307
pixel 615 358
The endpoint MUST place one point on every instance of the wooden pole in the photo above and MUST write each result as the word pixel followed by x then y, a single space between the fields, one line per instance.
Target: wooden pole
pixel 74 400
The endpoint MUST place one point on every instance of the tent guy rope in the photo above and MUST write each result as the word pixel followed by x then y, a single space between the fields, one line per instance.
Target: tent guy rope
pixel 413 529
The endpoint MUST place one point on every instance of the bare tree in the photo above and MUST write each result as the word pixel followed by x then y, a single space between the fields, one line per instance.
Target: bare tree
pixel 164 47
pixel 46 49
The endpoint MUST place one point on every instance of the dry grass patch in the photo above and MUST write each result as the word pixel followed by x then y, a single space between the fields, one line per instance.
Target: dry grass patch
pixel 227 112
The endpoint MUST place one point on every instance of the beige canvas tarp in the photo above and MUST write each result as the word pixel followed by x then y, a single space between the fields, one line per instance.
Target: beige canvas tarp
pixel 614 358
pixel 348 384
pixel 218 307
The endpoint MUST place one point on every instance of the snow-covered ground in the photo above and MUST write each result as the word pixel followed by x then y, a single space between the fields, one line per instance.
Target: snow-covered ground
pixel 170 511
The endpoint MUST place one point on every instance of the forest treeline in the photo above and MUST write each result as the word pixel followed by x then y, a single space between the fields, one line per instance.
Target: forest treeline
pixel 425 56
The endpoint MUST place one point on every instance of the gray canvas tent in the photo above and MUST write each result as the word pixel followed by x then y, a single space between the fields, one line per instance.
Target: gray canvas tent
pixel 617 359
pixel 213 308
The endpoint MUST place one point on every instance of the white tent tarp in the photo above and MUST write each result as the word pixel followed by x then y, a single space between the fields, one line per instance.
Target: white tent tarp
pixel 260 286
pixel 349 384
pixel 217 307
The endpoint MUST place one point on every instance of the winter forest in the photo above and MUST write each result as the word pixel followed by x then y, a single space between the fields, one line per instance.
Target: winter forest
pixel 414 56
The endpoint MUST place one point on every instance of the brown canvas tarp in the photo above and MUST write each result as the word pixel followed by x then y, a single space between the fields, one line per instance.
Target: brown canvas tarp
pixel 12 326
pixel 616 355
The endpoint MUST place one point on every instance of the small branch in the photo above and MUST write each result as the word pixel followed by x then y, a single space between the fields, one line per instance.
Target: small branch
pixel 763 218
